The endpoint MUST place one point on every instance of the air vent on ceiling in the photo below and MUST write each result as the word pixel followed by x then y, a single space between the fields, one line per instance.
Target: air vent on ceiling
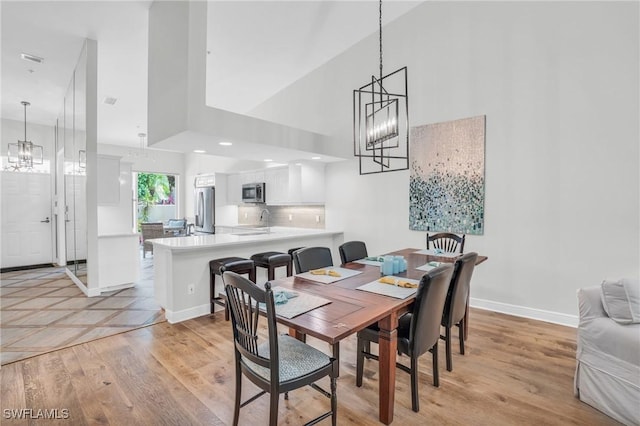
pixel 32 58
pixel 110 100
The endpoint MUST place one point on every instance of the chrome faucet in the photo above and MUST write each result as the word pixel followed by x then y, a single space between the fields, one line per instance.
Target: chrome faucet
pixel 262 213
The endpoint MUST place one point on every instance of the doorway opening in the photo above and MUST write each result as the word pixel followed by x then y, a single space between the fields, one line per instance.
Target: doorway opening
pixel 156 198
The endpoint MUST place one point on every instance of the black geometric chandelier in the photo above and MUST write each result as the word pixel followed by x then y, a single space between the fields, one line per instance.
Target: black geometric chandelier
pixel 381 120
pixel 24 154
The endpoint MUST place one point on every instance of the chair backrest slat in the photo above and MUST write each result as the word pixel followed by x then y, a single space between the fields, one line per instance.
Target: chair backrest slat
pixel 447 242
pixel 244 300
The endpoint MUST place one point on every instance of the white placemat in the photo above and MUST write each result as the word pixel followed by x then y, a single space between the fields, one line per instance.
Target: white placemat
pixel 299 304
pixel 368 262
pixel 328 279
pixel 429 266
pixel 390 290
pixel 441 254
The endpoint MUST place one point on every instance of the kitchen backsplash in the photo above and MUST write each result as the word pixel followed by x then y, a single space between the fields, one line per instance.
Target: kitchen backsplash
pixel 292 216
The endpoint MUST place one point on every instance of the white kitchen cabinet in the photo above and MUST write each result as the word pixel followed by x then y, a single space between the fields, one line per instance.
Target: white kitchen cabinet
pixel 234 189
pixel 221 186
pixel 301 183
pixel 255 176
pixel 277 185
pixel 236 180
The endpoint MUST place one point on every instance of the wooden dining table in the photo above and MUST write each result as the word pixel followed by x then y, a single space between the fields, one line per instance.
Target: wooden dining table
pixel 352 310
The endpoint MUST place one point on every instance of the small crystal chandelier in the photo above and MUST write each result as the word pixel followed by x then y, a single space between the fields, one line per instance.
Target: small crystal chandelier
pixel 381 120
pixel 141 152
pixel 25 153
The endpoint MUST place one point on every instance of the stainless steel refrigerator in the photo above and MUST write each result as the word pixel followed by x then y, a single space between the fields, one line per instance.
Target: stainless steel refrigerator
pixel 205 206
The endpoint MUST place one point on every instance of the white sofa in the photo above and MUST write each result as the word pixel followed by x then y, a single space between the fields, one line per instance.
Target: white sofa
pixel 608 359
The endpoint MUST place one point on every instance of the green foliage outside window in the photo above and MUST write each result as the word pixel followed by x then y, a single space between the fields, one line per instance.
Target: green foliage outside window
pixel 154 189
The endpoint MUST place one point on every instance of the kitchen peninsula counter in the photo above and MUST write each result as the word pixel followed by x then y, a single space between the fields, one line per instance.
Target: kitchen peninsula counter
pixel 181 264
pixel 243 236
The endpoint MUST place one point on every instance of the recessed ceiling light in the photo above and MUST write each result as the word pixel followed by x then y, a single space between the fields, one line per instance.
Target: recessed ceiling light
pixel 226 143
pixel 315 158
pixel 32 58
pixel 267 160
pixel 199 151
pixel 110 100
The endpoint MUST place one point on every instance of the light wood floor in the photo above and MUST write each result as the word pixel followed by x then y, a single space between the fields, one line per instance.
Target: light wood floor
pixel 43 310
pixel 515 372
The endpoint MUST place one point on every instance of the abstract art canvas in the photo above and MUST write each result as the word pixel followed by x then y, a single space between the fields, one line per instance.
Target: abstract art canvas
pixel 446 186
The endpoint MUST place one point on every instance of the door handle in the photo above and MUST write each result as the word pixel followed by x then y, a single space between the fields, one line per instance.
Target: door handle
pixel 45 221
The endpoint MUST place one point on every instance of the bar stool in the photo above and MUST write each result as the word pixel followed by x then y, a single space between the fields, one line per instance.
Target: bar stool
pixel 272 260
pixel 239 265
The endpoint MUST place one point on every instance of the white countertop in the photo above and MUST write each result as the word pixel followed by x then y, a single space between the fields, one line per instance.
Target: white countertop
pixel 196 242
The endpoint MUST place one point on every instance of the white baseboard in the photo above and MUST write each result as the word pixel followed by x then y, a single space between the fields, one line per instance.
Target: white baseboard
pixel 185 314
pixel 525 312
pixel 505 308
pixel 115 287
pixel 79 283
pixel 93 292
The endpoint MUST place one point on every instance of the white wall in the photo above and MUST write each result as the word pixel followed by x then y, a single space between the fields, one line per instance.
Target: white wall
pixel 203 164
pixel 155 161
pixel 117 217
pixel 558 82
pixel 90 100
pixel 168 71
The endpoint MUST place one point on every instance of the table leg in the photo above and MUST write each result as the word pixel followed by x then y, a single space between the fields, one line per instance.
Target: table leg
pixel 335 349
pixel 297 334
pixel 387 347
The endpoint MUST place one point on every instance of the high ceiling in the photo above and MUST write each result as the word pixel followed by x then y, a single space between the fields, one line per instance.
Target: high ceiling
pixel 55 31
pixel 260 47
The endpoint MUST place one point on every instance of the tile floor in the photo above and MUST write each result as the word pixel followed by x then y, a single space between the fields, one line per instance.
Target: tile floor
pixel 43 310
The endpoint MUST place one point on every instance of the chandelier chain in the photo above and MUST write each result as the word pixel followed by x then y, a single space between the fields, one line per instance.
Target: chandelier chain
pixel 381 119
pixel 25 104
pixel 380 35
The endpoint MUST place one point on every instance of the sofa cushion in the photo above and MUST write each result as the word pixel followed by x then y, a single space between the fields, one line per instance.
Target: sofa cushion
pixel 632 287
pixel 621 300
pixel 176 223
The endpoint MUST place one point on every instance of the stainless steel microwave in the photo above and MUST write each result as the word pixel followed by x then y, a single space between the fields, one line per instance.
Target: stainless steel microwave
pixel 253 193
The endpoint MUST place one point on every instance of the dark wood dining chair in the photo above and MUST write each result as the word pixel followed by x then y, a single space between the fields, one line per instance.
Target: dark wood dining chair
pixel 418 331
pixel 294 260
pixel 352 250
pixel 309 258
pixel 446 241
pixel 455 306
pixel 277 364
